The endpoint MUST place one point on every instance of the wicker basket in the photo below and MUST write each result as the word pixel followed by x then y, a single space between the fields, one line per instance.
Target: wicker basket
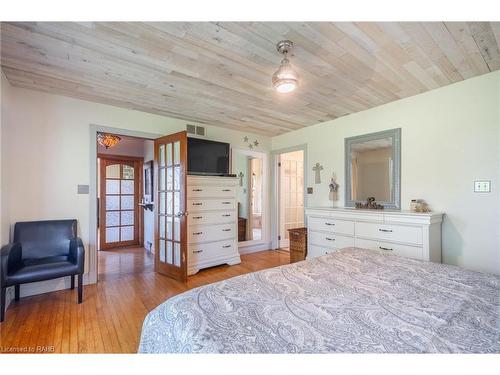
pixel 298 244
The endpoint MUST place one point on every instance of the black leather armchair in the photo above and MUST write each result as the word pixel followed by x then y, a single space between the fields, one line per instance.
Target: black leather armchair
pixel 42 250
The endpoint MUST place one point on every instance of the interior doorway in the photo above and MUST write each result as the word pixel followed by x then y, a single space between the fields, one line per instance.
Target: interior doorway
pixel 290 189
pixel 125 217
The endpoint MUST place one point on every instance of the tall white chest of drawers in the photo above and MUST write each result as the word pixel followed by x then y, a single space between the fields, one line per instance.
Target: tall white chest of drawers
pixel 408 234
pixel 212 222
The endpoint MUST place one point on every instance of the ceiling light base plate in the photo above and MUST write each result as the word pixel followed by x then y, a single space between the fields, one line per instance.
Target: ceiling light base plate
pixel 284 46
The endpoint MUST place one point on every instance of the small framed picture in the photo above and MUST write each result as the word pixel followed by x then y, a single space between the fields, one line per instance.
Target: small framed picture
pixel 148 181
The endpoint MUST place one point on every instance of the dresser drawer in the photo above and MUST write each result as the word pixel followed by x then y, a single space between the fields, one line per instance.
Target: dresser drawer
pixel 205 233
pixel 331 225
pixel 205 252
pixel 330 240
pixel 211 217
pixel 215 191
pixel 314 251
pixel 385 232
pixel 402 250
pixel 211 204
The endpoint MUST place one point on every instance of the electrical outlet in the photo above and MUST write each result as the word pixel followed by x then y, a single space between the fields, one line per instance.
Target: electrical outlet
pixel 309 190
pixel 482 186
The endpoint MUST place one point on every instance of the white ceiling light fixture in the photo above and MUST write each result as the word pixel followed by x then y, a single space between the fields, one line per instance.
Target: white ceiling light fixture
pixel 285 79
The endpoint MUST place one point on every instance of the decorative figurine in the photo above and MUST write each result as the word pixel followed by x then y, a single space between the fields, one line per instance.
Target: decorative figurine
pixel 317 169
pixel 334 187
pixel 369 205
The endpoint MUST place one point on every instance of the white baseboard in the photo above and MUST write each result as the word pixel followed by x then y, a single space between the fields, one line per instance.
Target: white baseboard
pixel 247 249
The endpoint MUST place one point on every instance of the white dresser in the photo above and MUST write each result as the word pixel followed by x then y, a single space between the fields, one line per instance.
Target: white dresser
pixel 409 234
pixel 212 222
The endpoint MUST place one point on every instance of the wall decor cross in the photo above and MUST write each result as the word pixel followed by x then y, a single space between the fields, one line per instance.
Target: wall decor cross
pixel 317 169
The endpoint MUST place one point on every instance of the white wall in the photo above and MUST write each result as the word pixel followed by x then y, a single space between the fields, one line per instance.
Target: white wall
pixel 5 104
pixel 450 137
pixel 46 153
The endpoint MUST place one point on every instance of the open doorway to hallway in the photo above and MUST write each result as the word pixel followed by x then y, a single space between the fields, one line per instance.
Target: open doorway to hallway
pixel 125 222
pixel 290 194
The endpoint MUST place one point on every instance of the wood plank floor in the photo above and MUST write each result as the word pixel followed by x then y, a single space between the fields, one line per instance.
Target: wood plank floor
pixel 110 318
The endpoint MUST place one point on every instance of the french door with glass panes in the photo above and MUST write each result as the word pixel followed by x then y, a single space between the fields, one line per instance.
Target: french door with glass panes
pixel 171 214
pixel 119 210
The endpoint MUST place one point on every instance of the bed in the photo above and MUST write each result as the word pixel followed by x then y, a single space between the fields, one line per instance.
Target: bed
pixel 351 301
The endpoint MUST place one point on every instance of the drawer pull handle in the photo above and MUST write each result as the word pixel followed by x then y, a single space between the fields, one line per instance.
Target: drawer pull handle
pixel 329 224
pixel 384 248
pixel 226 189
pixel 329 239
pixel 197 189
pixel 226 202
pixel 385 230
pixel 226 246
pixel 197 233
pixel 226 215
pixel 197 217
pixel 197 204
pixel 197 251
pixel 226 230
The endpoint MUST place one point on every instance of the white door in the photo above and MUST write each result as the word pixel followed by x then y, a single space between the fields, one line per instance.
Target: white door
pixel 291 194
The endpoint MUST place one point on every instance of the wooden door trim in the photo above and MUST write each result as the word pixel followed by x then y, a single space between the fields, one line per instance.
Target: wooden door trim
pixel 138 193
pixel 119 157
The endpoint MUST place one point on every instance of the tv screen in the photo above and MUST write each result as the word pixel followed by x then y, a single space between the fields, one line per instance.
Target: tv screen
pixel 207 157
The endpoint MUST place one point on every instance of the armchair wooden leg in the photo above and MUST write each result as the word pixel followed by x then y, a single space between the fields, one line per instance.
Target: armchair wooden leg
pixel 73 281
pixel 80 288
pixel 17 292
pixel 2 304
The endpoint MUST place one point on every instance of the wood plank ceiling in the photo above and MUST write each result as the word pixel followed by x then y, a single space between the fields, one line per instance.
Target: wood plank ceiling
pixel 220 73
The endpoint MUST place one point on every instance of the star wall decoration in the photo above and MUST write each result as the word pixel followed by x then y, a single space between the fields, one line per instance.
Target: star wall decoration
pixel 251 145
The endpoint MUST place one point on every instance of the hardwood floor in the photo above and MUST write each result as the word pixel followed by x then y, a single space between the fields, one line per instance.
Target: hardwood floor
pixel 117 263
pixel 110 318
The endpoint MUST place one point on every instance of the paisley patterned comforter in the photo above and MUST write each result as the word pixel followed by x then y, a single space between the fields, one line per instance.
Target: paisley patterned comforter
pixel 352 301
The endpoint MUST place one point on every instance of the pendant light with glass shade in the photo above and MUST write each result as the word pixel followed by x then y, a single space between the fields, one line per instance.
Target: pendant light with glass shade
pixel 285 79
pixel 107 140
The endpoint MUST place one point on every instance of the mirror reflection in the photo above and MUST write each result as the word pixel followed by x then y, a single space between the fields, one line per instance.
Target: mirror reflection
pixel 372 170
pixel 248 168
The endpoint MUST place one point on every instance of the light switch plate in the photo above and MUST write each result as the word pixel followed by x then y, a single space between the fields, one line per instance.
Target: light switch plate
pixel 309 190
pixel 482 186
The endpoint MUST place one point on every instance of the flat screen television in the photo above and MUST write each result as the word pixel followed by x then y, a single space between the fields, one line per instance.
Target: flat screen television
pixel 207 157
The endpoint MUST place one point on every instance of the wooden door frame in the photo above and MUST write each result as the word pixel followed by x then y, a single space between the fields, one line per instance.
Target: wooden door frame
pixel 138 182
